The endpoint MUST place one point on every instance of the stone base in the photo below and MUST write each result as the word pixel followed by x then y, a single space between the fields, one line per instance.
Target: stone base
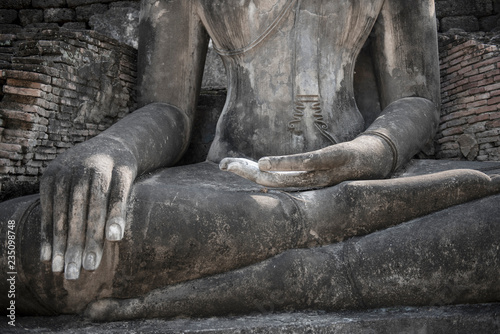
pixel 484 318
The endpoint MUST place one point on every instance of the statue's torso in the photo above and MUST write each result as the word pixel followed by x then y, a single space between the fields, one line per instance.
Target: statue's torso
pixel 290 66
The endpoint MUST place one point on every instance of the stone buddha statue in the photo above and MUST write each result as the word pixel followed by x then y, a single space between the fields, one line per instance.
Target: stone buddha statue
pixel 328 102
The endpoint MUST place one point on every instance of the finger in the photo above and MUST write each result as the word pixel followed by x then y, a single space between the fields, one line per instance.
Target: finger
pixel 122 182
pixel 224 164
pixel 296 179
pixel 324 159
pixel 244 168
pixel 76 230
pixel 96 221
pixel 47 186
pixel 60 220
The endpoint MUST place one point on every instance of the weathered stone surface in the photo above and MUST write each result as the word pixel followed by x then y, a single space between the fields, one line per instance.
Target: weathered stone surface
pixel 76 3
pixel 464 7
pixel 446 319
pixel 28 16
pixel 119 23
pixel 467 23
pixel 48 3
pixel 15 4
pixel 133 4
pixel 489 23
pixel 7 16
pixel 214 76
pixel 84 13
pixel 75 25
pixel 59 15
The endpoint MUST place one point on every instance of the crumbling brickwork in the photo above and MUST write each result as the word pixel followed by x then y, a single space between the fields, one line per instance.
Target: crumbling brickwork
pixel 470 90
pixel 62 87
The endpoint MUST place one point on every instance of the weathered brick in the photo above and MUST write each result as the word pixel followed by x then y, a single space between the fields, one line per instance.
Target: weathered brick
pixel 485 109
pixel 494 100
pixel 494 123
pixel 479 118
pixel 487 68
pixel 477 104
pixel 28 76
pixel 452 131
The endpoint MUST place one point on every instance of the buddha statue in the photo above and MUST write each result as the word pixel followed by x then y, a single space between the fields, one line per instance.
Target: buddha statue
pixel 309 198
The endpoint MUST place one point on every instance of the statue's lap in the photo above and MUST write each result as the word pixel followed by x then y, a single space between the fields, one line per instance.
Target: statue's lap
pixel 189 222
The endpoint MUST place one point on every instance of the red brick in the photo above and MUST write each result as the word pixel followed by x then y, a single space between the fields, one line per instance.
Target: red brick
pixel 495 92
pixel 470 59
pixel 465 69
pixel 22 91
pixel 479 118
pixel 484 109
pixel 492 87
pixel 493 124
pixel 446 139
pixel 492 61
pixel 495 115
pixel 29 76
pixel 477 77
pixel 493 73
pixel 452 131
pixel 477 90
pixel 483 96
pixel 490 67
pixel 19 115
pixel 494 100
pixel 477 104
pixel 454 69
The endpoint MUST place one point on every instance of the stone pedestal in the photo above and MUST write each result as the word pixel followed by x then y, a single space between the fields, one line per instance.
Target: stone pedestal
pixel 483 318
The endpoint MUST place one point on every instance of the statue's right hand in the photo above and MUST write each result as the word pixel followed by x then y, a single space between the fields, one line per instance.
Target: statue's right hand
pixel 84 195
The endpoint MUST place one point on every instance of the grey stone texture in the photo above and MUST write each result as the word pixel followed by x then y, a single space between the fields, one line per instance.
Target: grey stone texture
pixel 29 16
pixel 461 319
pixel 59 15
pixel 464 7
pixel 48 3
pixel 15 4
pixel 466 15
pixel 84 13
pixel 119 23
pixel 467 23
pixel 76 3
pixel 8 15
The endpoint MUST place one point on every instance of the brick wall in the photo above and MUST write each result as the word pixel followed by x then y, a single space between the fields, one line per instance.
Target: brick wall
pixel 62 88
pixel 470 90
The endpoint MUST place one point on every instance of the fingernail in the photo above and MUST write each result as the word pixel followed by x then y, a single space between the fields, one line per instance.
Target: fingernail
pixel 265 164
pixel 223 165
pixel 90 261
pixel 114 232
pixel 72 271
pixel 46 252
pixel 58 264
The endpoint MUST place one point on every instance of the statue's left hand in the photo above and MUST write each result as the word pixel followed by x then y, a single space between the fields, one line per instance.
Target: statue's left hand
pixel 366 157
